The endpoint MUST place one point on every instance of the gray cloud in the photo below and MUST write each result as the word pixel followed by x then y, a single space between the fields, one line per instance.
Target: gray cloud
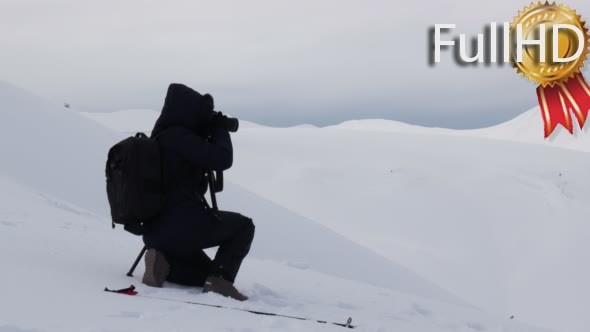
pixel 274 62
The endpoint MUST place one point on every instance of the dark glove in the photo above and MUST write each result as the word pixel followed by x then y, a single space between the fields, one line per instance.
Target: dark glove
pixel 217 120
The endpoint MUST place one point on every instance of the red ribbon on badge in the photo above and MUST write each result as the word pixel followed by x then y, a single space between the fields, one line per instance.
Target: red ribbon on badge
pixel 560 100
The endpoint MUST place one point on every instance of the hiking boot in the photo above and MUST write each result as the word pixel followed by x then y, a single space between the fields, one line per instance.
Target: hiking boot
pixel 157 268
pixel 223 287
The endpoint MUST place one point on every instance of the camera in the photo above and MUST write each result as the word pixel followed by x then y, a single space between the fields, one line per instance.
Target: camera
pixel 217 119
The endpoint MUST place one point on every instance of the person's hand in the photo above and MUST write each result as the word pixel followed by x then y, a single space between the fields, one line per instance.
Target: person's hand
pixel 217 120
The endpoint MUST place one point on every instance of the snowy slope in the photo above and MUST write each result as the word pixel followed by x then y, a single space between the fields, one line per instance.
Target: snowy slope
pixel 53 149
pixel 57 258
pixel 56 243
pixel 498 222
pixel 502 224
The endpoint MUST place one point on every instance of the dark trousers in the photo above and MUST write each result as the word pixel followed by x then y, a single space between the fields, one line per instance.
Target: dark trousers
pixel 189 271
pixel 233 234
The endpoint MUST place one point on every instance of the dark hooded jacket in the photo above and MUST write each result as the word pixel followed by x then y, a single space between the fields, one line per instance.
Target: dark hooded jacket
pixel 186 155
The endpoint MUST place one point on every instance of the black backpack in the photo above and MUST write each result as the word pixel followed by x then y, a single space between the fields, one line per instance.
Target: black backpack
pixel 135 184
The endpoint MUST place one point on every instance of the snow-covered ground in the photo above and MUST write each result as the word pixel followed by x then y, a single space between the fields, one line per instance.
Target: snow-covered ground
pixel 57 258
pixel 502 224
pixel 381 225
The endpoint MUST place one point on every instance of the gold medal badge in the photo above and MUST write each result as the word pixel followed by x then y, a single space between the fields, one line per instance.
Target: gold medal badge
pixel 556 67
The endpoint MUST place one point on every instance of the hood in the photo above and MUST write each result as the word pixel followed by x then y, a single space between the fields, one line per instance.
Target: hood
pixel 184 107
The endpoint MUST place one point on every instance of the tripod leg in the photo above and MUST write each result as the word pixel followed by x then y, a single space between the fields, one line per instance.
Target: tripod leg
pixel 141 253
pixel 212 190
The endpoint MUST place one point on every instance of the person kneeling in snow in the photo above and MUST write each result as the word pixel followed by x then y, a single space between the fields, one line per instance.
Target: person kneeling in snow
pixel 193 142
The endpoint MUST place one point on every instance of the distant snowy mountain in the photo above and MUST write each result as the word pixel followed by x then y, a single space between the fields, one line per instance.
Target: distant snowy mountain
pixel 306 125
pixel 526 128
pixel 58 249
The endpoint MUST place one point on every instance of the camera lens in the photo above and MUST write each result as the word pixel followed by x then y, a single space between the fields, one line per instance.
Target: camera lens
pixel 231 124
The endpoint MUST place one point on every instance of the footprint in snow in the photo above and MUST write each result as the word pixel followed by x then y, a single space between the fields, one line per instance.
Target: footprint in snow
pixel 267 295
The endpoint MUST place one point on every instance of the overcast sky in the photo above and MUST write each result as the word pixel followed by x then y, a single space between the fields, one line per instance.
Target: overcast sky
pixel 274 62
